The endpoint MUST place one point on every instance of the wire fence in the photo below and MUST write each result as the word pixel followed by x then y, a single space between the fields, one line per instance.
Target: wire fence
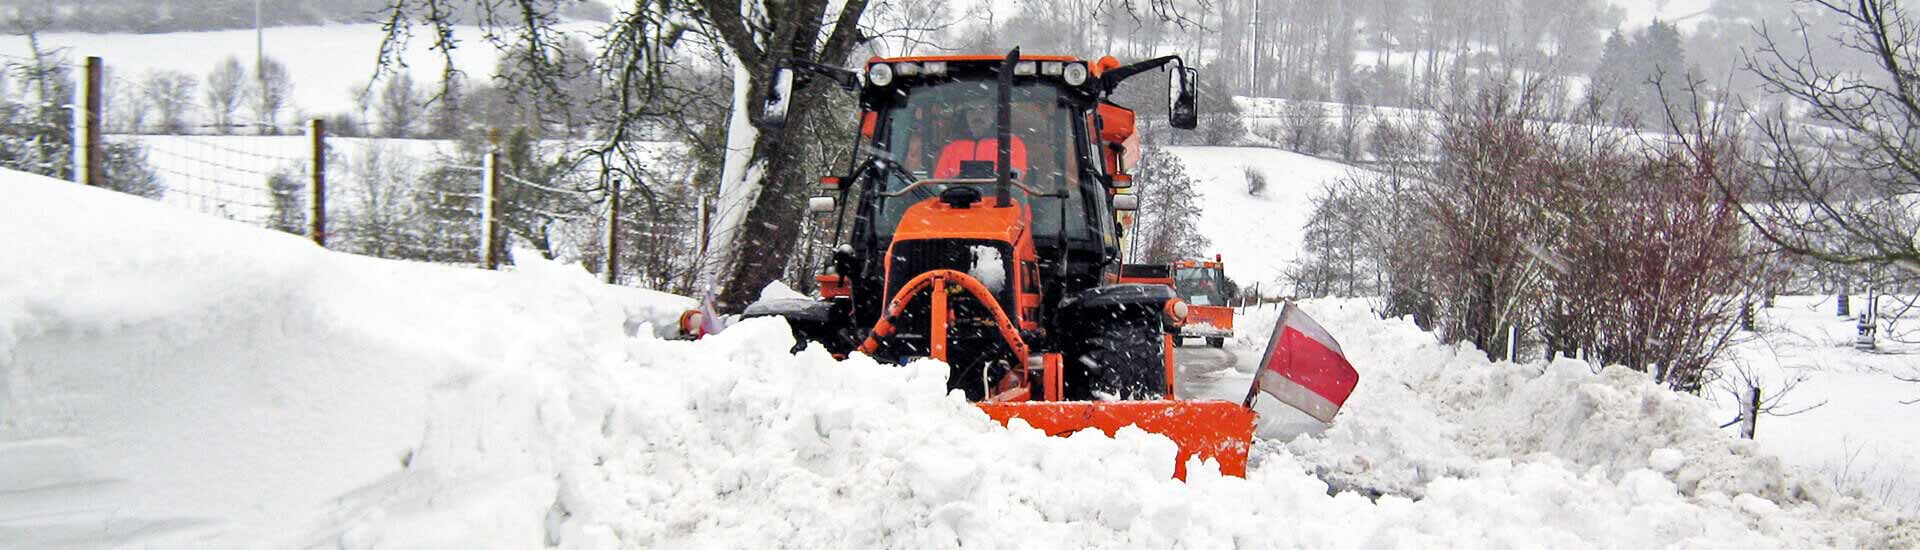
pixel 441 201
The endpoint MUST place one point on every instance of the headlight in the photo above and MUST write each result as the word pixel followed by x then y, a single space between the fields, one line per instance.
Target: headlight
pixel 1076 74
pixel 1025 68
pixel 880 74
pixel 909 69
pixel 936 68
pixel 1050 68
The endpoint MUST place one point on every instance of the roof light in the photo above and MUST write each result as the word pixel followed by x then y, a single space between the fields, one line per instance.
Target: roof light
pixel 1050 68
pixel 908 69
pixel 936 68
pixel 1076 74
pixel 880 74
pixel 1025 68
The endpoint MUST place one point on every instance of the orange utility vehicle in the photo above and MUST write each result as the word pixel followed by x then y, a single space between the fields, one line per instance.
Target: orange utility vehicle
pixel 1203 284
pixel 993 248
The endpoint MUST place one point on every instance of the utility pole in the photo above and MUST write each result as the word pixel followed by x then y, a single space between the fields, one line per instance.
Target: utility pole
pixel 1253 53
pixel 260 66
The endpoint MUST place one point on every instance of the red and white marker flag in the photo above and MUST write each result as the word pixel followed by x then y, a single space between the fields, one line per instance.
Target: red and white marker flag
pixel 1304 367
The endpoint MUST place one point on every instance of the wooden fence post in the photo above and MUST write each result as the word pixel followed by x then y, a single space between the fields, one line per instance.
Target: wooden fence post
pixel 613 231
pixel 86 126
pixel 706 213
pixel 317 222
pixel 490 213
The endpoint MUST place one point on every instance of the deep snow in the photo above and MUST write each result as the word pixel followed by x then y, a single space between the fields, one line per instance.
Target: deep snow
pixel 175 380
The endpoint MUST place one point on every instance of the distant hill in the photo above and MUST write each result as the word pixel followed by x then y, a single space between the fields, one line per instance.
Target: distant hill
pixel 164 16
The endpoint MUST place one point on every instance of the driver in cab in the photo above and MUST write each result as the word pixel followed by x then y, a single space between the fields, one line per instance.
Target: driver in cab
pixel 977 144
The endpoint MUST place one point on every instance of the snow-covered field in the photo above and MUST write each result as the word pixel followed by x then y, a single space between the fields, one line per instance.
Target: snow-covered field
pixel 169 379
pixel 1854 429
pixel 1257 236
pixel 329 64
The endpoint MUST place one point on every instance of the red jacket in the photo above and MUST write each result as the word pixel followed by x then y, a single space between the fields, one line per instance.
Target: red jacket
pixel 983 149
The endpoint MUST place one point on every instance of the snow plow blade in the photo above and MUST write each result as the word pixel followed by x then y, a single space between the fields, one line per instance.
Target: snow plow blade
pixel 1219 430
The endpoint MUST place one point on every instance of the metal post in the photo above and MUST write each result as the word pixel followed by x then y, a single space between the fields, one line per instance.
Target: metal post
pixel 86 126
pixel 613 231
pixel 490 212
pixel 1750 414
pixel 1513 342
pixel 1865 327
pixel 1844 307
pixel 317 223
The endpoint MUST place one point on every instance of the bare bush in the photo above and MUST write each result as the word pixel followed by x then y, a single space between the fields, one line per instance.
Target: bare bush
pixel 1256 181
pixel 1634 257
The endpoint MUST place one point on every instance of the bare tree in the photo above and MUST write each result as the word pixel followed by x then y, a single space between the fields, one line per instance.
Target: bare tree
pixel 1841 191
pixel 171 93
pixel 400 106
pixel 276 91
pixel 131 107
pixel 226 89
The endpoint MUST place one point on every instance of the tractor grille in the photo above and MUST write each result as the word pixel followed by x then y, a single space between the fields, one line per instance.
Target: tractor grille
pixel 911 258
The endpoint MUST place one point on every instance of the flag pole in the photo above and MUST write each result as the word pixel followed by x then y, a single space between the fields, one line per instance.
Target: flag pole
pixel 1253 391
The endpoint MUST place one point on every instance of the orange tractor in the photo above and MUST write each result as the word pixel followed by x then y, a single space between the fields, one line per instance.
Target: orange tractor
pixel 976 226
pixel 1204 285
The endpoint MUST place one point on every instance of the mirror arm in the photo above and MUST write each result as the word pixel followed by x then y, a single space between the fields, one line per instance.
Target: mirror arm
pixel 1112 79
pixel 848 80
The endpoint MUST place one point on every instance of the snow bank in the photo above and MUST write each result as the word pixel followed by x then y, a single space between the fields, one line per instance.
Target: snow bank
pixel 172 380
pixel 1427 413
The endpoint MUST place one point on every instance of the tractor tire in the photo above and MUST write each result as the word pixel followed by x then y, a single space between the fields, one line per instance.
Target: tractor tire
pixel 1216 343
pixel 1123 360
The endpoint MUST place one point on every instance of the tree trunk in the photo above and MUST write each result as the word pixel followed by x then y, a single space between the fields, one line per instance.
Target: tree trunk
pixel 752 247
pixel 771 227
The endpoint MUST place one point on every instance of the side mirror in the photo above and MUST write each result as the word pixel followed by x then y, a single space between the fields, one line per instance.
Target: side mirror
pixel 1126 203
pixel 1183 96
pixel 820 204
pixel 779 93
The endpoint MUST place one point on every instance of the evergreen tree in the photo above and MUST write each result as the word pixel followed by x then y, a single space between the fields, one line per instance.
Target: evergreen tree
pixel 1167 227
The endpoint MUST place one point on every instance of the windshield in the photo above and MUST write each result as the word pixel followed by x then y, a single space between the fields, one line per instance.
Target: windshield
pixel 1201 286
pixel 947 130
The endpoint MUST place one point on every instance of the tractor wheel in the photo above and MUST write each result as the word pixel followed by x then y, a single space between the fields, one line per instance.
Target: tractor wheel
pixel 1216 342
pixel 1120 361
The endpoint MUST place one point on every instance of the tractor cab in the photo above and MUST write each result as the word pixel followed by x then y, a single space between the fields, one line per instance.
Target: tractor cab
pixel 1004 168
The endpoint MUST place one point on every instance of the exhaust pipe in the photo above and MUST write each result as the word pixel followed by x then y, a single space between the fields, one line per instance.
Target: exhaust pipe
pixel 1003 109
